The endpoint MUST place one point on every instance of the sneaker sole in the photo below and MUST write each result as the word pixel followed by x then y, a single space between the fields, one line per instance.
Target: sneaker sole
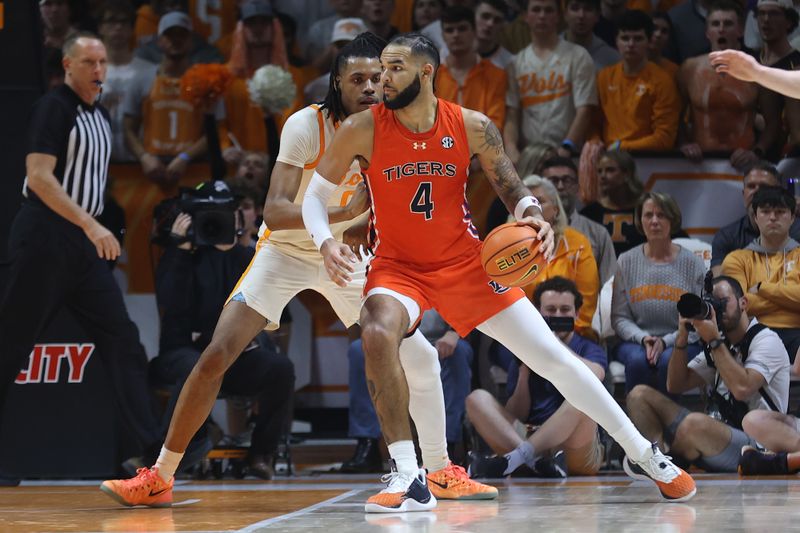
pixel 642 477
pixel 479 496
pixel 122 501
pixel 408 506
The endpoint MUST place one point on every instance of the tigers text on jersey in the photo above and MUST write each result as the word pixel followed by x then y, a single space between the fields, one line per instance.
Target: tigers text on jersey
pixel 417 183
pixel 304 138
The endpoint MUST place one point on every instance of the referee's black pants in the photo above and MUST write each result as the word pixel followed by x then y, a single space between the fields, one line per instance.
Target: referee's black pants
pixel 54 264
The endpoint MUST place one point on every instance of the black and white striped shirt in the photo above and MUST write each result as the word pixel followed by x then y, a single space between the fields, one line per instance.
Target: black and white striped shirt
pixel 79 136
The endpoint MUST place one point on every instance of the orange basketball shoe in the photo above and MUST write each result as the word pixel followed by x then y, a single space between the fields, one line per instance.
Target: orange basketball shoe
pixel 147 488
pixel 675 484
pixel 453 483
pixel 405 492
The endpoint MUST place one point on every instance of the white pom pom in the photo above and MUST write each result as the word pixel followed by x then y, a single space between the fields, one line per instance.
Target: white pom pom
pixel 272 88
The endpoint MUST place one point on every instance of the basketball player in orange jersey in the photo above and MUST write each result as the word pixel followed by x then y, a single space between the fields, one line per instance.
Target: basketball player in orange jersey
pixel 287 262
pixel 416 150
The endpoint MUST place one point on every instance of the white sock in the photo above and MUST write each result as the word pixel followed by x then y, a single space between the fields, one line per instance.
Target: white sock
pixel 524 454
pixel 420 362
pixel 521 329
pixel 167 463
pixel 404 456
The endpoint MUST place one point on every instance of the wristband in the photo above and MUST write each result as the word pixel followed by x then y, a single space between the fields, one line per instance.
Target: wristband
pixel 524 203
pixel 183 156
pixel 615 146
pixel 569 145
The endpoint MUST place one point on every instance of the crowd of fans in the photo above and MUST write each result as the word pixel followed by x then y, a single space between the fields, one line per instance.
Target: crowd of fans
pixel 595 81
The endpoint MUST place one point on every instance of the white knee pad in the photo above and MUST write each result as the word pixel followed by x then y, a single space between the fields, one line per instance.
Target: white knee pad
pixel 420 362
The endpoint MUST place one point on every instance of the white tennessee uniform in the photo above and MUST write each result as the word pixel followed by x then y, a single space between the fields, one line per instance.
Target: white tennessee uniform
pixel 287 261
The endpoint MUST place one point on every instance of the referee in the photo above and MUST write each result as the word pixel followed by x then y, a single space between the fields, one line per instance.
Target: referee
pixel 58 249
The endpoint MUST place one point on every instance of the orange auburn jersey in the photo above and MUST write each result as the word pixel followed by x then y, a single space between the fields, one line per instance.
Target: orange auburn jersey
pixel 417 183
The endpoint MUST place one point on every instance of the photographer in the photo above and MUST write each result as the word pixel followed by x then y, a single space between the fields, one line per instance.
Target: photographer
pixel 534 402
pixel 745 366
pixel 192 284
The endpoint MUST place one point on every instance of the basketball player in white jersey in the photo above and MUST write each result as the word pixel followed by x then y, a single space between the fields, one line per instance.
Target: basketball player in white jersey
pixel 287 262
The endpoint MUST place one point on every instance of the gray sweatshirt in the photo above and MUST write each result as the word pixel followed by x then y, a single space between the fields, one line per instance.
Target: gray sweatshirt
pixel 645 294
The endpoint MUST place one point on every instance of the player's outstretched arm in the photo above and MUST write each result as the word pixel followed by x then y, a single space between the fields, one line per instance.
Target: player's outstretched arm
pixel 745 67
pixel 280 211
pixel 486 142
pixel 352 140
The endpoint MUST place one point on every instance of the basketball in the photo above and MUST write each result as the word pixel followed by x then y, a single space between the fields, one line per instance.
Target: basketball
pixel 510 255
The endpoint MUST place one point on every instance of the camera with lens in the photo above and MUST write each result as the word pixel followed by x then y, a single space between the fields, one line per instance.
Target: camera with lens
pixel 213 209
pixel 699 307
pixel 560 324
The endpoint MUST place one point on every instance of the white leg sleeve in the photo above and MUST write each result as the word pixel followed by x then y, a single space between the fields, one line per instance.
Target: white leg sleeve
pixel 315 209
pixel 521 329
pixel 420 362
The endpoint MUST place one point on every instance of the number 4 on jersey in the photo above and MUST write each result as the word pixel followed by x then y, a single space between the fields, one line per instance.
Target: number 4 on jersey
pixel 422 202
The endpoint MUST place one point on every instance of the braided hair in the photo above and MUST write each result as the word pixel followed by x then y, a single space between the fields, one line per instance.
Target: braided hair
pixel 366 44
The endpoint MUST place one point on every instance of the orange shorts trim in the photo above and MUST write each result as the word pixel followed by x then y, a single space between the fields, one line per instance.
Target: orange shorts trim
pixel 461 292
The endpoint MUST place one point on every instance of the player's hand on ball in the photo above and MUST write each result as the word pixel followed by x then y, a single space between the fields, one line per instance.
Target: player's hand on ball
pixel 544 232
pixel 339 260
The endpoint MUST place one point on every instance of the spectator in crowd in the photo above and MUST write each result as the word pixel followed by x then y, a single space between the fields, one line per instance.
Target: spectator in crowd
pixel 721 109
pixel 563 174
pixel 776 21
pixel 116 28
pixel 463 77
pixel 742 232
pixel 192 285
pixel 649 281
pixel 251 173
pixel 552 93
pixel 171 128
pixel 425 12
pixel 620 189
pixel 377 15
pixel 256 42
pixel 572 256
pixel 211 20
pixel 713 440
pixel 319 51
pixel 581 16
pixel 56 22
pixel 516 35
pixel 767 267
pixel 490 19
pixel 455 356
pixel 662 32
pixel 433 30
pixel 344 31
pixel 251 206
pixel 200 50
pixel 610 13
pixel 688 30
pixel 305 13
pixel 639 100
pixel 754 34
pixel 301 70
pixel 536 423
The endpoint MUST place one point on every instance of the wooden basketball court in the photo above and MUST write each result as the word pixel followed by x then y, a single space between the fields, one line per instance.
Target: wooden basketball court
pixel 334 502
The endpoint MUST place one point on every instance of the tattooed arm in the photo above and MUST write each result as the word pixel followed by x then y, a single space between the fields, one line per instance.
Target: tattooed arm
pixel 486 142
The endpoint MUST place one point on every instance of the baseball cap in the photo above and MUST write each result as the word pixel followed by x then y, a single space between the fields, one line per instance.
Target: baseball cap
pixel 174 19
pixel 785 4
pixel 255 8
pixel 347 29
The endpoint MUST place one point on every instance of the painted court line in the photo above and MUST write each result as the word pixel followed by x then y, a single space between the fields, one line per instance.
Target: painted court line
pixel 301 512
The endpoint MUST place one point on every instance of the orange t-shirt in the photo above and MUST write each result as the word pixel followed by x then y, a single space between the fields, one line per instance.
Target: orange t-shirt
pixel 641 111
pixel 484 90
pixel 403 15
pixel 417 184
pixel 170 124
